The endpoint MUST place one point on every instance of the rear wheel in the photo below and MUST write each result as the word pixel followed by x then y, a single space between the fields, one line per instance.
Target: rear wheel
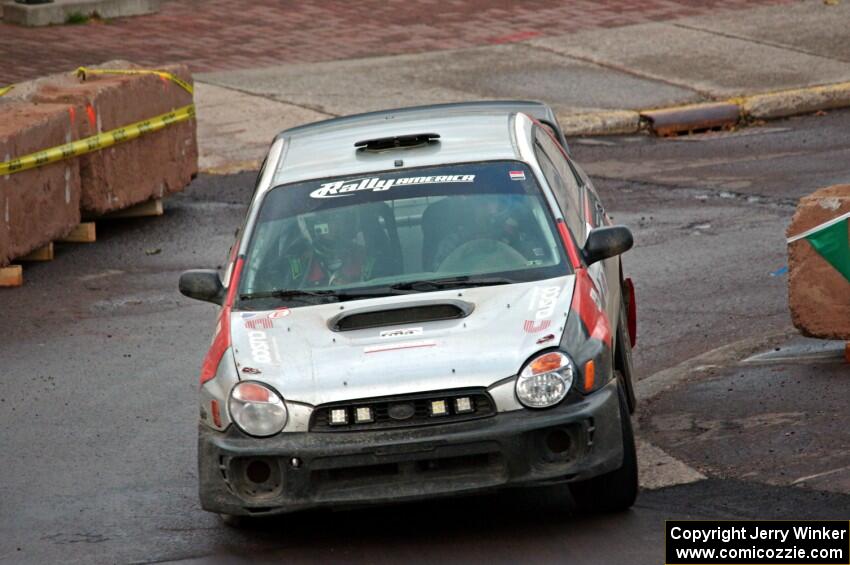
pixel 616 490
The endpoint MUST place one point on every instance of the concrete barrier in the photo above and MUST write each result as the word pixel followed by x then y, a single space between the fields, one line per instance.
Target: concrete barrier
pixel 151 166
pixel 43 204
pixel 818 294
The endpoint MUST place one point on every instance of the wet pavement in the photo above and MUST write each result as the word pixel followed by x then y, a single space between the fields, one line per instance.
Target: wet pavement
pixel 100 358
pixel 780 422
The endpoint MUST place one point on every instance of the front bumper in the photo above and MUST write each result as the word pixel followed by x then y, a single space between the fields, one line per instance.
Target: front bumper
pixel 242 475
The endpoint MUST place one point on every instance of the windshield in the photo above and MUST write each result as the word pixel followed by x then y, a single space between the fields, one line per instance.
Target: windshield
pixel 411 230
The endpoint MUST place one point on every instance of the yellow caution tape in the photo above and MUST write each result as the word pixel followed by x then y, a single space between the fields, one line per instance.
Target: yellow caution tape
pixel 82 72
pixel 5 89
pixel 97 142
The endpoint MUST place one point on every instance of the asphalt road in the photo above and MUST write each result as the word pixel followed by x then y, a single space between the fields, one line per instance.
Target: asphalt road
pixel 99 358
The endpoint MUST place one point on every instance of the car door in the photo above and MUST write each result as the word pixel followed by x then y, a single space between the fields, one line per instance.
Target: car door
pixel 583 211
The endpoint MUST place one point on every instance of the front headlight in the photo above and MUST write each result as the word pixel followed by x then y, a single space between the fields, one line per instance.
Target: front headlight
pixel 256 409
pixel 545 380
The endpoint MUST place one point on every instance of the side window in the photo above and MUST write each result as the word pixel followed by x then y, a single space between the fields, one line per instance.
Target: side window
pixel 595 210
pixel 560 177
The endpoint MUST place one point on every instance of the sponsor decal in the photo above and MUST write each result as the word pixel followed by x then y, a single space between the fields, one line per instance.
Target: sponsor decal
pixel 260 349
pixel 251 371
pixel 400 332
pixel 600 281
pixel 264 323
pixel 532 327
pixel 339 188
pixel 544 300
pixel 397 346
pixel 545 338
pixel 517 175
pixel 543 303
pixel 586 305
pixel 280 313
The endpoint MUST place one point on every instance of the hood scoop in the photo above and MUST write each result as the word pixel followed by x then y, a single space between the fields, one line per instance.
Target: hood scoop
pixel 407 313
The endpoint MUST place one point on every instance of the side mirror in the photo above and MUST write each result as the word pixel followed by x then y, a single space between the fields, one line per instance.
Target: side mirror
pixel 202 284
pixel 606 242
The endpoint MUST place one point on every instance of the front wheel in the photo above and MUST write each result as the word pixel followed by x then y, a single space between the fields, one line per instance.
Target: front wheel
pixel 623 355
pixel 616 490
pixel 235 522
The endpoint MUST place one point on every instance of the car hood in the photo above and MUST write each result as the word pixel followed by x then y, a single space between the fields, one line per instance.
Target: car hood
pixel 296 351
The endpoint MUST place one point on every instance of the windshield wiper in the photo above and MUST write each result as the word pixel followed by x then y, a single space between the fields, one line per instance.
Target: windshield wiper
pixel 339 295
pixel 453 282
pixel 284 293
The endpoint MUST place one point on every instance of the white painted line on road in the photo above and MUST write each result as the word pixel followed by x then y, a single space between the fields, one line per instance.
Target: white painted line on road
pixel 823 352
pixel 819 475
pixel 658 469
pixel 102 274
pixel 657 383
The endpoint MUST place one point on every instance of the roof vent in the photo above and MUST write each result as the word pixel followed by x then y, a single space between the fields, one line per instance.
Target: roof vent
pixel 411 140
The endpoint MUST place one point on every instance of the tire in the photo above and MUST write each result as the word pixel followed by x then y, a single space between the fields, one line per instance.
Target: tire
pixel 616 490
pixel 623 356
pixel 235 522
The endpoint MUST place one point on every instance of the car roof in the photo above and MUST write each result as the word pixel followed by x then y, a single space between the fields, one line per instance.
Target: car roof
pixel 537 110
pixel 467 132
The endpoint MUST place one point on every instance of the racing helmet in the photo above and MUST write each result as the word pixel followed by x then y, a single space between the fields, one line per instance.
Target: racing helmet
pixel 332 233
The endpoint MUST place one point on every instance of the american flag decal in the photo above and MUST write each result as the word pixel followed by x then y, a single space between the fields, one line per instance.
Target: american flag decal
pixel 532 327
pixel 259 323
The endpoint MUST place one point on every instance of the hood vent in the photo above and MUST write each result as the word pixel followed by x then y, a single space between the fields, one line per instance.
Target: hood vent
pixel 408 314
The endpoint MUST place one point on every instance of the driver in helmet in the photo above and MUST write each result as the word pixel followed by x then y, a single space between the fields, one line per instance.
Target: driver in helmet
pixel 331 251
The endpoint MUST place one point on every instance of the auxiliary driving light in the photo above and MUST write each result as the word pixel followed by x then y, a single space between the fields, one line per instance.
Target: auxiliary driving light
pixel 363 415
pixel 463 405
pixel 339 416
pixel 439 408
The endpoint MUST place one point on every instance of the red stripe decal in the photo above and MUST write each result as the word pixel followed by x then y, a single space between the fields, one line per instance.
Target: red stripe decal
pixel 414 345
pixel 588 309
pixel 221 340
pixel 569 245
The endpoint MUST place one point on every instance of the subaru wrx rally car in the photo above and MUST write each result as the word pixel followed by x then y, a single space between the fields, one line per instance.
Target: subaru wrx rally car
pixel 420 302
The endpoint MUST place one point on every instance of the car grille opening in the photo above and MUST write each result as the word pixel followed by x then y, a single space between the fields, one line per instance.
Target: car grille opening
pixel 408 472
pixel 403 411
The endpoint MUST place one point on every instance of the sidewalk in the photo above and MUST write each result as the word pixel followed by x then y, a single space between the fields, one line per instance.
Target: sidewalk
pixel 600 74
pixel 261 69
pixel 238 34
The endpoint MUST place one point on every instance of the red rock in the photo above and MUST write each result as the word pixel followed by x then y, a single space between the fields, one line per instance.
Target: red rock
pixel 43 204
pixel 818 295
pixel 152 166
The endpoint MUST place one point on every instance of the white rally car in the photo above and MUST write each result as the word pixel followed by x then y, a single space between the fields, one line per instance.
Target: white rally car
pixel 420 302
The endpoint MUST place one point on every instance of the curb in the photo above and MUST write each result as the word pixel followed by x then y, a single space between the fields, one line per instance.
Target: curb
pixel 721 113
pixel 231 168
pixel 676 119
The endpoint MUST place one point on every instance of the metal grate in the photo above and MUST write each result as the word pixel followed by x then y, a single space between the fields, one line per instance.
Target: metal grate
pixel 386 411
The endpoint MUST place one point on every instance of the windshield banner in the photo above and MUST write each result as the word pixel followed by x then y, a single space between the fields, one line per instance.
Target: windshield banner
pixel 345 188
